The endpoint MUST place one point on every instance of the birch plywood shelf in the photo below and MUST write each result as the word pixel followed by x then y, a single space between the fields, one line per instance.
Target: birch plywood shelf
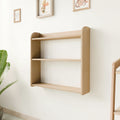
pixel 36 59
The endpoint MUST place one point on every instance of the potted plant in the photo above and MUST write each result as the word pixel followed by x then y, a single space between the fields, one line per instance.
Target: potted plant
pixel 4 67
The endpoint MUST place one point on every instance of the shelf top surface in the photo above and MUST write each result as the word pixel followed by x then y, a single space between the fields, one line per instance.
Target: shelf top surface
pixel 52 38
pixel 58 36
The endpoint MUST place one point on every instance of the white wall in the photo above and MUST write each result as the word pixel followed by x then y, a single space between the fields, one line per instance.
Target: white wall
pixel 46 104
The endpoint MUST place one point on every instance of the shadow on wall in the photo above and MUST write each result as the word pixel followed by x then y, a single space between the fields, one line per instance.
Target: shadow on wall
pixel 101 66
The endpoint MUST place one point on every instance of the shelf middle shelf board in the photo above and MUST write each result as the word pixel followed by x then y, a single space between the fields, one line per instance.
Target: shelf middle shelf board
pixel 44 59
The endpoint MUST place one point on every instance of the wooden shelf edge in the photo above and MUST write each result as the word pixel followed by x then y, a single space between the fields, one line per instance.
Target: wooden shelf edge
pixel 53 38
pixel 36 39
pixel 40 59
pixel 58 87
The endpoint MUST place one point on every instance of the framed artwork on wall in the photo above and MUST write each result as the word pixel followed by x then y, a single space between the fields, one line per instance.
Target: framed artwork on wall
pixel 45 8
pixel 17 15
pixel 81 4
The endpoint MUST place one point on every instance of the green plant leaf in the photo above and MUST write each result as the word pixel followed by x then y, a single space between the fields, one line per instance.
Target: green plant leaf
pixel 7 87
pixel 7 67
pixel 4 67
pixel 3 59
pixel 1 80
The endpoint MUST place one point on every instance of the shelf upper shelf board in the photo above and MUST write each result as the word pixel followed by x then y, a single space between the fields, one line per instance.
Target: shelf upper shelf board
pixel 40 59
pixel 57 87
pixel 58 36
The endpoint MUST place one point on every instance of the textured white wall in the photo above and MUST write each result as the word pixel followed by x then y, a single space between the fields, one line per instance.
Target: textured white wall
pixel 46 104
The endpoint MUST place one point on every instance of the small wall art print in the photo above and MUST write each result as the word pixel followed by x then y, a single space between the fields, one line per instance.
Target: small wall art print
pixel 17 15
pixel 81 4
pixel 45 8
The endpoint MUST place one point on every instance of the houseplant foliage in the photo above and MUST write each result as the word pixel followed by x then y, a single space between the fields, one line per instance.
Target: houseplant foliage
pixel 4 68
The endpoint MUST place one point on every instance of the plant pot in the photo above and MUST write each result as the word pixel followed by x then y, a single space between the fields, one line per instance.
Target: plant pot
pixel 1 113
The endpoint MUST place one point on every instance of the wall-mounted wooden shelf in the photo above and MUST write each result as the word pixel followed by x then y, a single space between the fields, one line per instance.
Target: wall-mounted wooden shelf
pixel 36 59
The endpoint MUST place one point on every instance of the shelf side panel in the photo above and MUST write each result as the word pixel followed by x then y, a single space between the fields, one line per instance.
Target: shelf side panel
pixel 35 65
pixel 35 72
pixel 35 49
pixel 85 81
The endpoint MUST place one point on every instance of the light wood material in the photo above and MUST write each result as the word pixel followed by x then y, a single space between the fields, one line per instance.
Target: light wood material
pixel 36 59
pixel 35 66
pixel 40 59
pixel 85 87
pixel 58 87
pixel 59 36
pixel 114 67
pixel 19 115
pixel 51 9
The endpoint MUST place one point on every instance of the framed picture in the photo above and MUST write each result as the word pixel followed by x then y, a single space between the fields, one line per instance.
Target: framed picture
pixel 81 4
pixel 45 8
pixel 17 15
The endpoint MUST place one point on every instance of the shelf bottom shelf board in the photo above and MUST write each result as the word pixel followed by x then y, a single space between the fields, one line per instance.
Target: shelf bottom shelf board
pixel 58 87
